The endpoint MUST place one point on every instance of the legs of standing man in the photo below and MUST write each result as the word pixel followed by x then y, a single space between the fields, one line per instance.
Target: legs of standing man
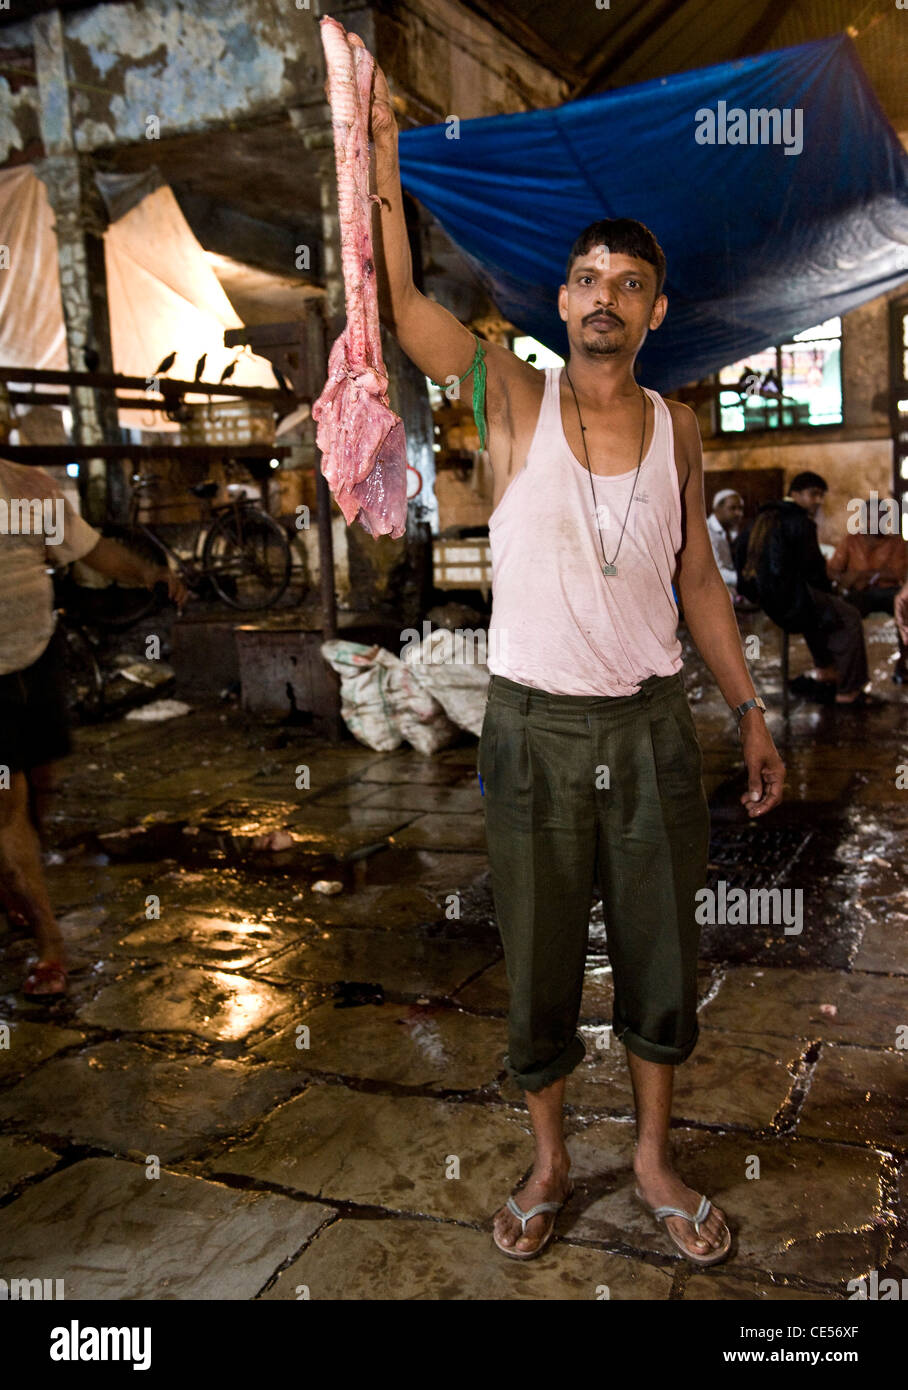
pixel 567 780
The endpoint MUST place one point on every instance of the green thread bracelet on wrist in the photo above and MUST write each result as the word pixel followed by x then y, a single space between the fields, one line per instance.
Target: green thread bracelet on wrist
pixel 478 367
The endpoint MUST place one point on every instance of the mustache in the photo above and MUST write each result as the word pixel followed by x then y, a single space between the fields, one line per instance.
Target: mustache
pixel 602 314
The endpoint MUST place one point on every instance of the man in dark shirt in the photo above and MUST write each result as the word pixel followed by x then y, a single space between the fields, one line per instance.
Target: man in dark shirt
pixel 782 568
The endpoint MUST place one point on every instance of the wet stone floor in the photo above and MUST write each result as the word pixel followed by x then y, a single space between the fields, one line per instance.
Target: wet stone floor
pixel 256 1089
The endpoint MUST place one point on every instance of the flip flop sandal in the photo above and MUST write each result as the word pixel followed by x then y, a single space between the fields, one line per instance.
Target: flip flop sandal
pixel 526 1216
pixel 46 972
pixel 703 1210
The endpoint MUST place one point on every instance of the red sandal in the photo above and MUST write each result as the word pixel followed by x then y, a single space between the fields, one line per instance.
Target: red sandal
pixel 45 973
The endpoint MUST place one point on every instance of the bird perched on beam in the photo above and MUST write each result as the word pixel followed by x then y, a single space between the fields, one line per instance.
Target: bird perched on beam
pixel 165 364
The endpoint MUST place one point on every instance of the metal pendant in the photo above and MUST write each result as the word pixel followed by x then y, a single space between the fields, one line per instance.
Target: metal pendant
pixel 609 569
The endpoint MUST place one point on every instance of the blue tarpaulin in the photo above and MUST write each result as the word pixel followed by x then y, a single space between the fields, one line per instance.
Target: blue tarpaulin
pixel 760 243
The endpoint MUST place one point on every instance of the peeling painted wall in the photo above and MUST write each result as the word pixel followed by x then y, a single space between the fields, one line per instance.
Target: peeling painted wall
pixel 20 128
pixel 196 64
pixel 187 64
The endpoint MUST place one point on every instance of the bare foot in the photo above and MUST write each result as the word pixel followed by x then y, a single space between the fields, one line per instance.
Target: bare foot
pixel 662 1187
pixel 543 1185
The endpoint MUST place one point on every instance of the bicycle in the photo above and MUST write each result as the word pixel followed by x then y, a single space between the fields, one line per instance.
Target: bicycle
pixel 245 556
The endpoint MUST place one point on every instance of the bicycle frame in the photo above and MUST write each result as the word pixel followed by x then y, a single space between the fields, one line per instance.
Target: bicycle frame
pixel 192 568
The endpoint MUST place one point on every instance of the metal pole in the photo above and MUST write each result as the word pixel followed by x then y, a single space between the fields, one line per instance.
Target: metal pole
pixel 318 354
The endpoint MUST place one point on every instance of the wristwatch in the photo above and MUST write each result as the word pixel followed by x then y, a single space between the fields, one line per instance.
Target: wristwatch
pixel 740 710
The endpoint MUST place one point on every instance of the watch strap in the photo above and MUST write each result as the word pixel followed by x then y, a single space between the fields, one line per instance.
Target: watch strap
pixel 740 710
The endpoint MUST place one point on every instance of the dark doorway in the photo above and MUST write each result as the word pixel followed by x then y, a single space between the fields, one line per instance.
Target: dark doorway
pixel 756 486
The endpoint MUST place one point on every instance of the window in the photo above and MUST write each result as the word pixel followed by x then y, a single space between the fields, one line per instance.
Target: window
pixel 794 385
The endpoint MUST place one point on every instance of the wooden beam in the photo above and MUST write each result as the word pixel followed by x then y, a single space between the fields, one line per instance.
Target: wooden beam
pixel 43 454
pixel 759 34
pixel 168 387
pixel 525 37
pixel 620 52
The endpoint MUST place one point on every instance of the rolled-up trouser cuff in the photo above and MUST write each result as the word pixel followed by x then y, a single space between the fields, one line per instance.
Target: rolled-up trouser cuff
pixel 560 1066
pixel 656 1052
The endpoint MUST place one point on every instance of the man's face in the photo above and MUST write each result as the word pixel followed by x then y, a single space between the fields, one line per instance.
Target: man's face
pixel 810 498
pixel 731 512
pixel 608 303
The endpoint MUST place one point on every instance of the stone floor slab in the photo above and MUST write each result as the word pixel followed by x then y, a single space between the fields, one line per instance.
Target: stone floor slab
pixel 884 942
pixel 416 770
pixel 435 831
pixel 754 1288
pixel 21 1159
pixel 416 796
pixel 433 872
pixel 795 1004
pixel 410 1154
pixel 111 1233
pixel 405 964
pixel 202 939
pixel 210 1003
pixel 728 1079
pixel 858 1094
pixel 132 1099
pixel 342 829
pixel 436 1047
pixel 24 1044
pixel 814 1212
pixel 388 907
pixel 427 1261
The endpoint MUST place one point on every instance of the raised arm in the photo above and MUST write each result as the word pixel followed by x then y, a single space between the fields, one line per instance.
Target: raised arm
pixel 432 338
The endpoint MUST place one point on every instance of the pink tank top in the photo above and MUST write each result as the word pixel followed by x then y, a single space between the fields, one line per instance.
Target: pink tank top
pixel 559 624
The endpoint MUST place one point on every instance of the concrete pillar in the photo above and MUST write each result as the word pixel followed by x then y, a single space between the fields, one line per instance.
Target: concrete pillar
pixel 80 222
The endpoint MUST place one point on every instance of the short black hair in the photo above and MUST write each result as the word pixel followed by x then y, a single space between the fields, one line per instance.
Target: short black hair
pixel 625 236
pixel 802 481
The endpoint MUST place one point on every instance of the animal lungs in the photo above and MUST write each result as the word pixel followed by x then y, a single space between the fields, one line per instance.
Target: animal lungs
pixel 364 451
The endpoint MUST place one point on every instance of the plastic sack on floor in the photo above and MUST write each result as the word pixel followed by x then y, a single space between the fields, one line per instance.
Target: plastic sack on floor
pixel 452 667
pixel 382 703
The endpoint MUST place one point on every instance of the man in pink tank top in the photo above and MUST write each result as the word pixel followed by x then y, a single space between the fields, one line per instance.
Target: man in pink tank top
pixel 588 759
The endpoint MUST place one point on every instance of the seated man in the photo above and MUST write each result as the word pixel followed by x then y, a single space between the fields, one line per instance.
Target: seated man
pixel 784 571
pixel 870 570
pixel 724 522
pixel 33 723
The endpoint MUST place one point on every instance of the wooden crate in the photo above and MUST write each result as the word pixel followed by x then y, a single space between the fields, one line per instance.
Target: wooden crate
pixel 229 422
pixel 463 564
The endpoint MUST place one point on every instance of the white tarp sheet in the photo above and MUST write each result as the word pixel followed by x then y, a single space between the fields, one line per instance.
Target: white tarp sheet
pixel 163 294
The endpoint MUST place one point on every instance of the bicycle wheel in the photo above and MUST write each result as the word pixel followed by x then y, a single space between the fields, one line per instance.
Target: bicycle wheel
pixel 247 558
pixel 84 690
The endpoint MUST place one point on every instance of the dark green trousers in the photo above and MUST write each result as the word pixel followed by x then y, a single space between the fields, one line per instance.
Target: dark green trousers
pixel 583 791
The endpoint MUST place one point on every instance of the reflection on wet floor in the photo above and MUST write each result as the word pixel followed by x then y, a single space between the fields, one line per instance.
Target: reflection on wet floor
pixel 302 1065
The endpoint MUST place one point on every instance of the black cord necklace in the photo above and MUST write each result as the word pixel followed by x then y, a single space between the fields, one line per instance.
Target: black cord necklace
pixel 608 567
